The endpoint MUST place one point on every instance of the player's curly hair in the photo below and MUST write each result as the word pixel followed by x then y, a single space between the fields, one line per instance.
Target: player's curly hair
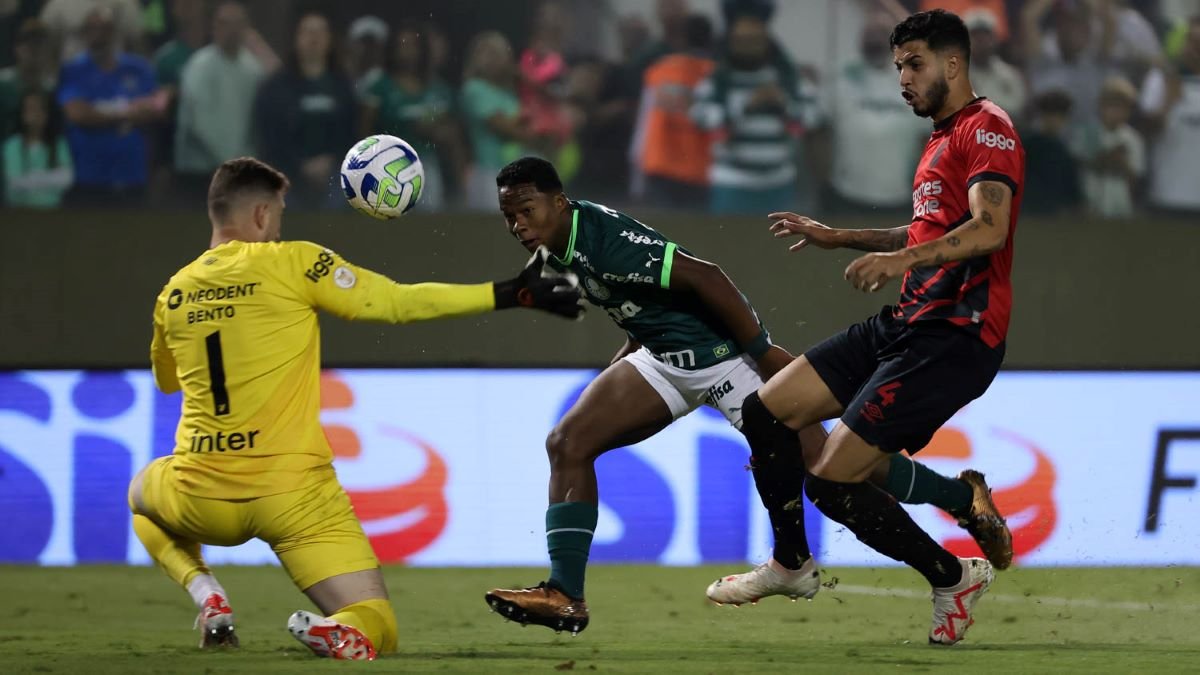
pixel 242 176
pixel 530 170
pixel 939 29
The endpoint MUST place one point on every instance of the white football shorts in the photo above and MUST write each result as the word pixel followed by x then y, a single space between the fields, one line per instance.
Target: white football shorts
pixel 723 386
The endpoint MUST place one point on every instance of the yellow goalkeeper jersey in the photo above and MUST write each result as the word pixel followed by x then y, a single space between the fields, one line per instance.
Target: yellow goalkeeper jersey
pixel 237 331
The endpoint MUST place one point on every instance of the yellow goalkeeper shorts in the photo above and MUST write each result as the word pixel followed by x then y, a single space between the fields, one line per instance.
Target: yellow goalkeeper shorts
pixel 313 530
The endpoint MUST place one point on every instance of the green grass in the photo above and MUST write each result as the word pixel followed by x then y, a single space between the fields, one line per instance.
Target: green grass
pixel 644 620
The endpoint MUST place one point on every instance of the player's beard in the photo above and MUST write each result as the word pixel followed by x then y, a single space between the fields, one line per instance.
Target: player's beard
pixel 935 98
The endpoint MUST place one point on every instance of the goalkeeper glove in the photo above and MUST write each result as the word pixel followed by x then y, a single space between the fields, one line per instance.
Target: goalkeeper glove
pixel 541 287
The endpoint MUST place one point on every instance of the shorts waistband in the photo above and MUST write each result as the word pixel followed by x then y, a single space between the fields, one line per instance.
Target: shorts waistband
pixel 699 358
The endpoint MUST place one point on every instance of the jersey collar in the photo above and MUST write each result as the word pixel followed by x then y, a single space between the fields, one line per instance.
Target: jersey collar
pixel 571 242
pixel 944 124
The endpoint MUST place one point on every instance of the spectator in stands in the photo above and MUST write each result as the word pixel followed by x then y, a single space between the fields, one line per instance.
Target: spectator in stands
pixel 191 26
pixel 542 87
pixel 34 67
pixel 67 21
pixel 1175 16
pixel 37 161
pixel 439 51
pixel 191 33
pixel 1175 108
pixel 543 70
pixel 306 116
pixel 107 95
pixel 990 74
pixel 671 152
pixel 753 106
pixel 1052 183
pixel 498 132
pixel 13 15
pixel 1112 154
pixel 216 98
pixel 866 114
pixel 964 8
pixel 602 105
pixel 410 102
pixel 1133 45
pixel 633 39
pixel 672 37
pixel 1070 58
pixel 366 52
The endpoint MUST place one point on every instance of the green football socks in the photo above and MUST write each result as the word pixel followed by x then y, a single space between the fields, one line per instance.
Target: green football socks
pixel 914 483
pixel 569 530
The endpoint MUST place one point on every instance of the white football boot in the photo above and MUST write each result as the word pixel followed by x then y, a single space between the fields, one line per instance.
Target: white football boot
pixel 769 578
pixel 326 637
pixel 215 622
pixel 952 606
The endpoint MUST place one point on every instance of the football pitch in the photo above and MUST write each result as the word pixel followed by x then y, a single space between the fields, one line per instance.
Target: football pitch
pixel 644 620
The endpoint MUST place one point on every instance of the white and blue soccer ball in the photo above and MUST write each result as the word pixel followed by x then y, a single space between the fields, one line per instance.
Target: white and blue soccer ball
pixel 382 176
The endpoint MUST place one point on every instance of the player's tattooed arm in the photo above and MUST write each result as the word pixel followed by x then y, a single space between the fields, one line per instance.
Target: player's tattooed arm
pixel 986 231
pixel 789 224
pixel 892 239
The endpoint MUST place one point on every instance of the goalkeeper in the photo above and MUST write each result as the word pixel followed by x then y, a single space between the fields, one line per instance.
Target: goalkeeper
pixel 236 330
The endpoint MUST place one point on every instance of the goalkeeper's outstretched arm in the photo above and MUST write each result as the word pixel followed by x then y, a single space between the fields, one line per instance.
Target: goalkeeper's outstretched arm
pixel 356 293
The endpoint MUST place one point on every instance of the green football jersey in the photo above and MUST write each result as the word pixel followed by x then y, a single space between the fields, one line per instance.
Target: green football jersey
pixel 624 268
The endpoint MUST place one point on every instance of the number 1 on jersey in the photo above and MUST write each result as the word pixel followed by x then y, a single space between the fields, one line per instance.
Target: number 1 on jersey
pixel 216 374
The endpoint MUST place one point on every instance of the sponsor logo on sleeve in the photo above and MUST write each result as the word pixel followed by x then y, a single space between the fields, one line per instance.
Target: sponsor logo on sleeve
pixel 321 267
pixel 992 139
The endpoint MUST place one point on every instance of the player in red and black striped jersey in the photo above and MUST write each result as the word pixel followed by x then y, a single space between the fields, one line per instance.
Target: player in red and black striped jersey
pixel 975 146
pixel 897 377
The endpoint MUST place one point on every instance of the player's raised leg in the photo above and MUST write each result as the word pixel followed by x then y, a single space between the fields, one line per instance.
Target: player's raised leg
pixel 180 558
pixel 967 498
pixel 918 385
pixel 618 408
pixel 838 488
pixel 847 360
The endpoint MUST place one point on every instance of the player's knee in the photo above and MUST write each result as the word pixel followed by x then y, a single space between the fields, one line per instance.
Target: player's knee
pixel 825 494
pixel 812 443
pixel 833 467
pixel 755 417
pixel 564 448
pixel 770 440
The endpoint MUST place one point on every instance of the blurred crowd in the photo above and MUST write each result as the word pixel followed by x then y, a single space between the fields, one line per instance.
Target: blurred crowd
pixel 135 102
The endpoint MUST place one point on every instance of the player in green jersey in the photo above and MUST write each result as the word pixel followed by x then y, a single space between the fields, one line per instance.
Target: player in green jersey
pixel 689 334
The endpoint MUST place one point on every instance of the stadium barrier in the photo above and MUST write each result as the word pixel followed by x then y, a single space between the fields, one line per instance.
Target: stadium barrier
pixel 446 467
pixel 79 287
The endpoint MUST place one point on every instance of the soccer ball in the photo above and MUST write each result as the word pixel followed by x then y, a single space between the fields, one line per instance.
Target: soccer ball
pixel 382 176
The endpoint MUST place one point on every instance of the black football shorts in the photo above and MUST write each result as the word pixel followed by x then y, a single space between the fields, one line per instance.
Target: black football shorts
pixel 900 382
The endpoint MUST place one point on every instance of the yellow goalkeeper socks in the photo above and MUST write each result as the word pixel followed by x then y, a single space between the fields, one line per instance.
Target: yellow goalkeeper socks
pixel 375 619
